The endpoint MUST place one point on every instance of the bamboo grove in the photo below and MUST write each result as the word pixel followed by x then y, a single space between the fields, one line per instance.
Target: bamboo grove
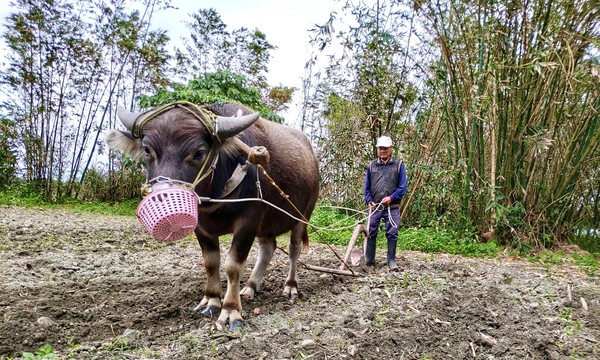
pixel 494 105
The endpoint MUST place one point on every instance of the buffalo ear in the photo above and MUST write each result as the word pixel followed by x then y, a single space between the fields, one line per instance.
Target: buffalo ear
pixel 125 142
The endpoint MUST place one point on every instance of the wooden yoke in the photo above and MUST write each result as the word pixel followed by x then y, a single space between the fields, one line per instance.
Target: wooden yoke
pixel 257 155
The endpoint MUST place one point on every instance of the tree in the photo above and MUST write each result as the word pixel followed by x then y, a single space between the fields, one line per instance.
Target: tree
pixel 211 88
pixel 69 63
pixel 45 54
pixel 369 91
pixel 522 107
pixel 212 48
pixel 8 157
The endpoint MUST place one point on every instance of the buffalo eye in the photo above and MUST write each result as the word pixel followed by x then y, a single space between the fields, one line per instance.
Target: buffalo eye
pixel 146 151
pixel 199 154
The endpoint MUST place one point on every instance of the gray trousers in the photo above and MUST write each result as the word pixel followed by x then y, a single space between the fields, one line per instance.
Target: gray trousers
pixel 391 233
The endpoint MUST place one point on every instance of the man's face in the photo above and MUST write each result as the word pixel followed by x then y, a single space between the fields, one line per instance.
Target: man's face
pixel 384 153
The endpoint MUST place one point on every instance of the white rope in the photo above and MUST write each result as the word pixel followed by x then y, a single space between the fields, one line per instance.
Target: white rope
pixel 391 219
pixel 379 205
pixel 345 208
pixel 207 199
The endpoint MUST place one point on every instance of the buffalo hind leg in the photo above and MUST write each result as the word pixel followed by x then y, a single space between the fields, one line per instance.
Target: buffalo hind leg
pixel 211 302
pixel 266 249
pixel 298 233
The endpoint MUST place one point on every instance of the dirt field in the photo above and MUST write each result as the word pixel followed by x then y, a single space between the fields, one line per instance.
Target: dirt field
pixel 97 287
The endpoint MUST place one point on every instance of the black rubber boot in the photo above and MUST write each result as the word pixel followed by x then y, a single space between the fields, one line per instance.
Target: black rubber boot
pixel 391 255
pixel 370 252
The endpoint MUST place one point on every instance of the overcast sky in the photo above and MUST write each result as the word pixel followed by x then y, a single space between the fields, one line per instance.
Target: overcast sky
pixel 285 23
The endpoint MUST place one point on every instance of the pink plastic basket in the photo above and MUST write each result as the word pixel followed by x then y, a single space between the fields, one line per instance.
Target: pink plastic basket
pixel 169 214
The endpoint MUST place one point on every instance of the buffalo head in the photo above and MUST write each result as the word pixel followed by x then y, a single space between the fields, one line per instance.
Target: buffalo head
pixel 178 141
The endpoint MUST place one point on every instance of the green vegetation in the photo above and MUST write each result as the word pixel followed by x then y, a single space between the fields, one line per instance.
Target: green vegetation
pixel 212 88
pixel 589 241
pixel 427 239
pixel 482 118
pixel 24 195
pixel 571 325
pixel 44 353
pixel 336 226
pixel 333 226
pixel 590 263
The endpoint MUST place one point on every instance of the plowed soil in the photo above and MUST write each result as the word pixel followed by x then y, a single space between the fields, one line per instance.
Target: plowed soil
pixel 98 287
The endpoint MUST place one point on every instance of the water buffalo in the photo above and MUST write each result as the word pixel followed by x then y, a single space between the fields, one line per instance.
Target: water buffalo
pixel 177 144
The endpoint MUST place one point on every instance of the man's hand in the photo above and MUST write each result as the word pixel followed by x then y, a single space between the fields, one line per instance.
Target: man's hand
pixel 372 205
pixel 386 200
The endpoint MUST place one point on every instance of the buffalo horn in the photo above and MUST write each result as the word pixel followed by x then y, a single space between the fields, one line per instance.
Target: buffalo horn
pixel 231 126
pixel 127 118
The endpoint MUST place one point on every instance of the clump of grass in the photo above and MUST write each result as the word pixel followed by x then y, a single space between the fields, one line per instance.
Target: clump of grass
pixel 442 240
pixel 325 217
pixel 588 263
pixel 46 352
pixel 571 325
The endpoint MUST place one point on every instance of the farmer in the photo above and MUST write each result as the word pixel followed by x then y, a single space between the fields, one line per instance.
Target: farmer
pixel 385 185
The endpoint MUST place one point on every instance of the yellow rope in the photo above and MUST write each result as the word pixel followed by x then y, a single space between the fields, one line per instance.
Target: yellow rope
pixel 207 118
pixel 285 196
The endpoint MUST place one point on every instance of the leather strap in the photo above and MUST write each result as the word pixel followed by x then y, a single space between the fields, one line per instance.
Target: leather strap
pixel 236 178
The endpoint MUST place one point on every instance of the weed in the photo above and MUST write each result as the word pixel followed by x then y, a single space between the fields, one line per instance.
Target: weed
pixel 148 353
pixel 191 338
pixel 565 313
pixel 72 349
pixel 405 280
pixel 548 257
pixel 588 263
pixel 571 325
pixel 45 352
pixel 290 322
pixel 119 344
pixel 213 348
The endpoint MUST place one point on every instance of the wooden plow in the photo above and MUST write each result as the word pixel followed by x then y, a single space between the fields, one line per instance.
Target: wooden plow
pixel 353 253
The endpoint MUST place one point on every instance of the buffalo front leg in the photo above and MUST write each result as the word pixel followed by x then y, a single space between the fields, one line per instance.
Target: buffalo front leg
pixel 211 302
pixel 266 250
pixel 298 233
pixel 231 311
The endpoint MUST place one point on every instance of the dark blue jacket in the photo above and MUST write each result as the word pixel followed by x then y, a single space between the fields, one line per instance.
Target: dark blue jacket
pixel 385 179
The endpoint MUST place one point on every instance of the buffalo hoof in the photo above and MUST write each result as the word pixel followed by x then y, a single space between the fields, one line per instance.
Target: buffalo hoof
pixel 293 298
pixel 291 293
pixel 248 293
pixel 211 311
pixel 236 325
pixel 220 325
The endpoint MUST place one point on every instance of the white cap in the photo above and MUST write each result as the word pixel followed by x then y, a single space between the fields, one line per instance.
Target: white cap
pixel 384 141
